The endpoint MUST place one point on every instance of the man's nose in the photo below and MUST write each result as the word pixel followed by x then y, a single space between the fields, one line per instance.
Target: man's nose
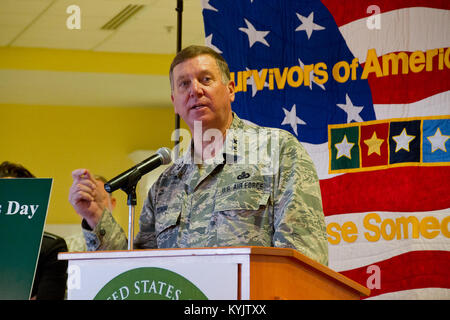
pixel 196 88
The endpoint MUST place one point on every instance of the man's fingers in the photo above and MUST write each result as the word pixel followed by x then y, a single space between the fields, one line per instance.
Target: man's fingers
pixel 85 187
pixel 82 174
pixel 78 173
pixel 88 175
pixel 82 177
pixel 82 196
pixel 82 192
pixel 87 183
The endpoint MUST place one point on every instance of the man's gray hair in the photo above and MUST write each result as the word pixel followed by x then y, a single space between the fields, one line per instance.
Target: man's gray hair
pixel 195 51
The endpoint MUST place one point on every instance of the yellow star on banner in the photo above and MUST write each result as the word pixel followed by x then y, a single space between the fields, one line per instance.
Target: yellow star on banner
pixel 374 144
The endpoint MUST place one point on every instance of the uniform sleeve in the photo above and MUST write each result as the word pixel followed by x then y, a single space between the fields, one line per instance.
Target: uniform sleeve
pixel 107 234
pixel 299 221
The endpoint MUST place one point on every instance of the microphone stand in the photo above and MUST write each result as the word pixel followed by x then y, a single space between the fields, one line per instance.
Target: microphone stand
pixel 130 189
pixel 179 10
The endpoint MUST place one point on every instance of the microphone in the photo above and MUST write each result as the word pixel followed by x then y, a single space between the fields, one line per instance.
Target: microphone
pixel 135 173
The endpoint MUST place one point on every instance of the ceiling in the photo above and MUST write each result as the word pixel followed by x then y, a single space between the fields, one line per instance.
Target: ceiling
pixel 49 24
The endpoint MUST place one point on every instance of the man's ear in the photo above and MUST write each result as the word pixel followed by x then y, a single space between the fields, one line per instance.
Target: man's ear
pixel 113 203
pixel 231 90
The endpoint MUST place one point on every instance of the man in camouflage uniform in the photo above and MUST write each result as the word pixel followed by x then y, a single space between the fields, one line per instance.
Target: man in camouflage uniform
pixel 255 187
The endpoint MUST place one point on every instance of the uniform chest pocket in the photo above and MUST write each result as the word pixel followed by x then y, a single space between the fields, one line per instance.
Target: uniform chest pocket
pixel 243 188
pixel 242 200
pixel 168 221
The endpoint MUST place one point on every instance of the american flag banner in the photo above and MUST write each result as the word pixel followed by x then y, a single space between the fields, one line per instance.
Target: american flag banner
pixel 364 86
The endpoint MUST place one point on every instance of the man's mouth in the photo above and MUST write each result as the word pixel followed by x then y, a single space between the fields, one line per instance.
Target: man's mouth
pixel 198 106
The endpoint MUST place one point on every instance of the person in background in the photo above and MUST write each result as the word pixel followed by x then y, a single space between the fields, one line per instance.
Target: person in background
pixel 51 274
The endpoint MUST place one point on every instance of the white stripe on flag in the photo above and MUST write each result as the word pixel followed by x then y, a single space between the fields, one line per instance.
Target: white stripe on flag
pixel 436 105
pixel 409 29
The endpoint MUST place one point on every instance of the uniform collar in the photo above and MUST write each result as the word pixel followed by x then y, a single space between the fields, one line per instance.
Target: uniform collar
pixel 230 149
pixel 186 167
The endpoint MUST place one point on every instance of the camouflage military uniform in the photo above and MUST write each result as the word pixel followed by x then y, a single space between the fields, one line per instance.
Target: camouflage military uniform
pixel 76 242
pixel 236 201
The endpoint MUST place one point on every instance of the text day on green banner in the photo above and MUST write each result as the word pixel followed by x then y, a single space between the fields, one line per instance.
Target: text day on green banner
pixel 23 209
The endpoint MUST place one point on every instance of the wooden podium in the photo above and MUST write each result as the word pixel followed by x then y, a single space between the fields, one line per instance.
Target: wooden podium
pixel 243 273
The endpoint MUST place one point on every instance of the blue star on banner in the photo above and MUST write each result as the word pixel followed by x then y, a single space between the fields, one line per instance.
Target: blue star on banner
pixel 290 44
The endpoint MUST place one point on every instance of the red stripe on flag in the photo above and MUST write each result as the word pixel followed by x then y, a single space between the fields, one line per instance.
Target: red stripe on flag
pixel 405 189
pixel 342 15
pixel 407 88
pixel 411 270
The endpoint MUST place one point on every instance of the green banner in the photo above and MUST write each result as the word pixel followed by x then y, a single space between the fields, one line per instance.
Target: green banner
pixel 23 209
